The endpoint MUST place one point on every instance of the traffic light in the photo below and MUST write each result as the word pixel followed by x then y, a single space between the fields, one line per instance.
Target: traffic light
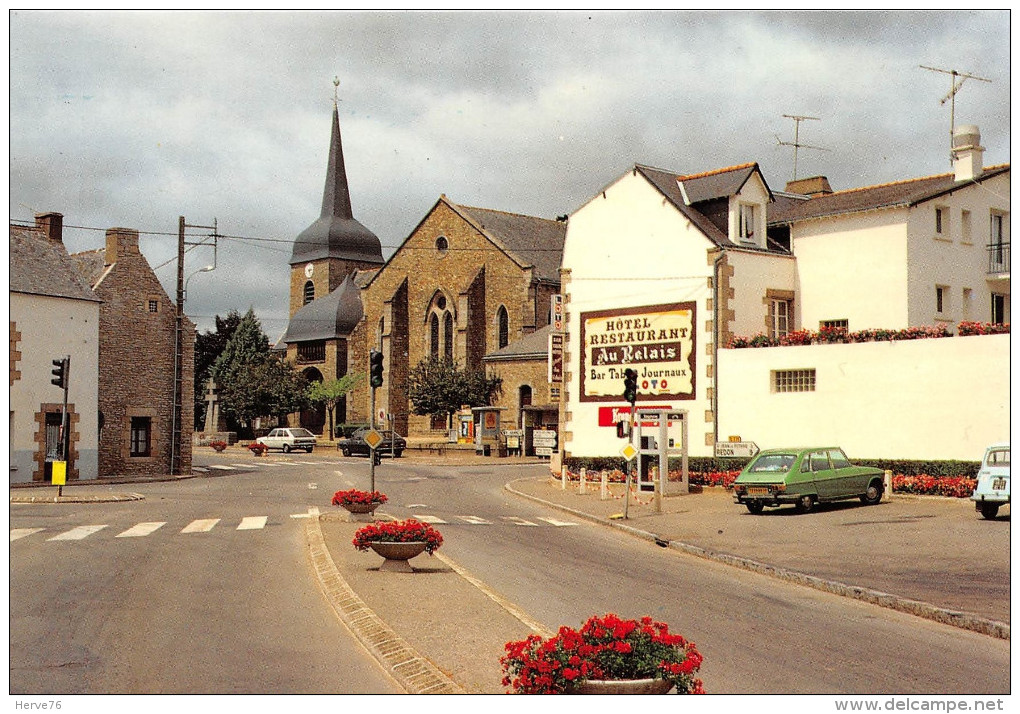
pixel 60 372
pixel 375 368
pixel 630 385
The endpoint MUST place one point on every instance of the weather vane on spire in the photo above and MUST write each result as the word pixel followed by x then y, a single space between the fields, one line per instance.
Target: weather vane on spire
pixel 336 90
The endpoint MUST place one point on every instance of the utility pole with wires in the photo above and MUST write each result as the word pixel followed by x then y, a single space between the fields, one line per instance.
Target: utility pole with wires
pixel 798 118
pixel 956 80
pixel 178 405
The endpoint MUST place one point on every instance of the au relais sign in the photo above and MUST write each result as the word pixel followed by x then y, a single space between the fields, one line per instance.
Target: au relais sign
pixel 656 340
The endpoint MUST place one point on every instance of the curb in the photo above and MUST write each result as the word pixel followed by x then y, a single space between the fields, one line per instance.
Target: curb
pixel 106 498
pixel 412 671
pixel 954 618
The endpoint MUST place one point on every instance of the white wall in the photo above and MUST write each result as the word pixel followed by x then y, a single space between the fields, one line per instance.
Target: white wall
pixel 852 267
pixel 52 328
pixel 630 248
pixel 949 260
pixel 753 275
pixel 920 399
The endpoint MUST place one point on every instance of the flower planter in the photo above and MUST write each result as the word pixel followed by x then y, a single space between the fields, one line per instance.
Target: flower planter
pixel 360 512
pixel 397 554
pixel 622 686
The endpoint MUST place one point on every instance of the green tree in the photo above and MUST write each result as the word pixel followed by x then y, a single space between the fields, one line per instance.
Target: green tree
pixel 208 346
pixel 330 393
pixel 438 386
pixel 252 381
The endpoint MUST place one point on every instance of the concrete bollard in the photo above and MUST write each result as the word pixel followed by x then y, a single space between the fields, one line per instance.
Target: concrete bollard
pixel 604 490
pixel 580 489
pixel 887 486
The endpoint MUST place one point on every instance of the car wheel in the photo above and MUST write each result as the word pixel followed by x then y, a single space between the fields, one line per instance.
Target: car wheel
pixel 286 448
pixel 805 504
pixel 755 507
pixel 989 510
pixel 309 450
pixel 397 453
pixel 873 495
pixel 346 451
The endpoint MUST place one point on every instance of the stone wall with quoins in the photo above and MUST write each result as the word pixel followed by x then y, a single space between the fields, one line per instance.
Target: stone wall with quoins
pixel 137 340
pixel 474 275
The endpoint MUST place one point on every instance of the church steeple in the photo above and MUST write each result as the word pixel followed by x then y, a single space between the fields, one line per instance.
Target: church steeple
pixel 336 233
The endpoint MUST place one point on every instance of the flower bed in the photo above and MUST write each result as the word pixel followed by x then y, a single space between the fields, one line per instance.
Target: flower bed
pixel 409 531
pixel 605 648
pixel 355 497
pixel 833 335
pixel 258 449
pixel 918 484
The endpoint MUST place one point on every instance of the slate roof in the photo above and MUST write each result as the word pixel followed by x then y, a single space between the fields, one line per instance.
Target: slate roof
pixel 91 265
pixel 331 316
pixel 701 188
pixel 336 233
pixel 536 242
pixel 39 266
pixel 533 346
pixel 900 193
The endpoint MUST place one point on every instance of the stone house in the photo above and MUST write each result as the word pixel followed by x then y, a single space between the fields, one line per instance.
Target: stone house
pixel 53 314
pixel 138 343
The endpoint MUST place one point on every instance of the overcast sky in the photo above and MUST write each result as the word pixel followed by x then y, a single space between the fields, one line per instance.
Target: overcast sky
pixel 133 119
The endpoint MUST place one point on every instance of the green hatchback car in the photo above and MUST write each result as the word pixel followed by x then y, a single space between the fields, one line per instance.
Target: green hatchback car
pixel 804 477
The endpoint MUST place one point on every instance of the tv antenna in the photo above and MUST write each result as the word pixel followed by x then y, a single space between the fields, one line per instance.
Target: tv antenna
pixel 954 87
pixel 797 118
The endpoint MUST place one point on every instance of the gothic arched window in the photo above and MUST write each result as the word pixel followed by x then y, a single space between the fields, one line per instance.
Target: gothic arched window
pixel 448 336
pixel 434 335
pixel 309 292
pixel 503 320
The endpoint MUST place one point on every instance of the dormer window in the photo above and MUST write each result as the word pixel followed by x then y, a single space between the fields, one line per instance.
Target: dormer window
pixel 746 229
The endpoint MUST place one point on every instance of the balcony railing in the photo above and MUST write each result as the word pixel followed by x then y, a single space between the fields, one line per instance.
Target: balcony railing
pixel 998 258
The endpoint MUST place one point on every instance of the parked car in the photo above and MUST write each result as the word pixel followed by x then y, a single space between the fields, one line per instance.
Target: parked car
pixel 993 481
pixel 289 439
pixel 805 477
pixel 356 444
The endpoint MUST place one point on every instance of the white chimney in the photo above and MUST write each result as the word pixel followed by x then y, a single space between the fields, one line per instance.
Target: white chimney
pixel 967 152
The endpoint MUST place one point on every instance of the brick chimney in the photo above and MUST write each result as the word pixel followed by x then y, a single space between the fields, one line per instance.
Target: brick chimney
pixel 52 225
pixel 968 154
pixel 814 186
pixel 120 242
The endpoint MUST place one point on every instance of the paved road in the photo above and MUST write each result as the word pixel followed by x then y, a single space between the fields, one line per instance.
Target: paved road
pixel 217 599
pixel 757 634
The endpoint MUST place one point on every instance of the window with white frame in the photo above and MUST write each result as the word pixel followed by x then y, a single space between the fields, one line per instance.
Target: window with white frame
pixel 941 221
pixel 747 225
pixel 780 317
pixel 793 380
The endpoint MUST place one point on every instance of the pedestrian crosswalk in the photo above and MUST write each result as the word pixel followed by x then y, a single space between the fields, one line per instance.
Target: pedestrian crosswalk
pixel 250 467
pixel 140 530
pixel 258 523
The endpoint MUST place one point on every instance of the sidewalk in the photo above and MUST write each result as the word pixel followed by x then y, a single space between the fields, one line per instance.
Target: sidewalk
pixel 442 631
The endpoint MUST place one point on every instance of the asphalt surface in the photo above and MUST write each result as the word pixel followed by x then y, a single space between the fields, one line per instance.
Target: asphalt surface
pixel 930 557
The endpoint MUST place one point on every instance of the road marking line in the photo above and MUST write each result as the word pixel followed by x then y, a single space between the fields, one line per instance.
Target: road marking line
pixel 556 523
pixel 428 519
pixel 199 469
pixel 246 466
pixel 252 523
pixel 475 520
pixel 313 486
pixel 202 525
pixel 517 521
pixel 308 463
pixel 141 529
pixel 78 533
pixel 221 467
pixel 22 532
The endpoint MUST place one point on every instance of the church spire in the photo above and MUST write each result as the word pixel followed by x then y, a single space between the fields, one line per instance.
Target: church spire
pixel 336 233
pixel 336 196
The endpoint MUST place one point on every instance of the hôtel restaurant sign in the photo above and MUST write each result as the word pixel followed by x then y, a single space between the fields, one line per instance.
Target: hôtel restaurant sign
pixel 655 340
